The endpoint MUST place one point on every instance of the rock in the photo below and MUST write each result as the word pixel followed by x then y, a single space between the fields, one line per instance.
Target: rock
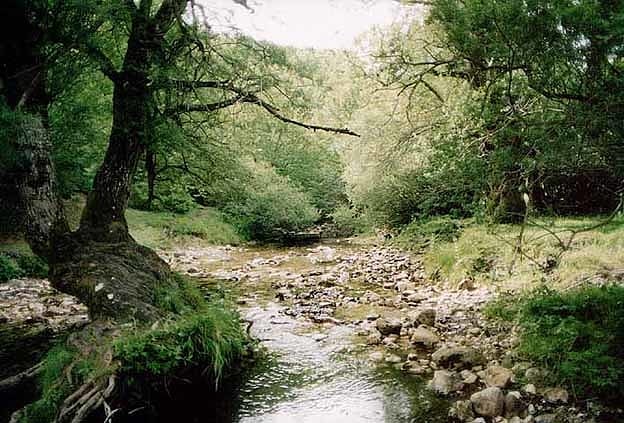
pixel 479 420
pixel 457 357
pixel 374 338
pixel 423 336
pixel 514 405
pixel 192 270
pixel 530 389
pixel 393 358
pixel 462 411
pixel 415 369
pixel 376 356
pixel 468 377
pixel 546 418
pixel 515 419
pixel 388 326
pixel 445 382
pixel 556 395
pixel 488 402
pixel 498 376
pixel 423 317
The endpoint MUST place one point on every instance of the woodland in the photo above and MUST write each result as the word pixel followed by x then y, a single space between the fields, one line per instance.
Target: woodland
pixel 485 137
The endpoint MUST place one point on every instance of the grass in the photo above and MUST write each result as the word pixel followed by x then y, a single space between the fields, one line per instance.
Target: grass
pixel 212 338
pixel 578 335
pixel 164 230
pixel 486 253
pixel 17 263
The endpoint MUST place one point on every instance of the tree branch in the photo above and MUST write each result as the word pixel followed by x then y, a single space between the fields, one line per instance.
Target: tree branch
pixel 241 97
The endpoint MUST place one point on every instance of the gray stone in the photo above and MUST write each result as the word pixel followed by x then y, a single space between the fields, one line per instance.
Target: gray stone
pixel 388 326
pixel 556 395
pixel 423 336
pixel 514 406
pixel 423 317
pixel 546 418
pixel 497 376
pixel 445 382
pixel 462 411
pixel 488 402
pixel 457 357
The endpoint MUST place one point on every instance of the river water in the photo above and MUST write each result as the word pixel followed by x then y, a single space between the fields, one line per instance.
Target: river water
pixel 315 372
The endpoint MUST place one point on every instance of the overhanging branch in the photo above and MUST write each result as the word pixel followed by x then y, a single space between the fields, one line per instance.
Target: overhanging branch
pixel 240 97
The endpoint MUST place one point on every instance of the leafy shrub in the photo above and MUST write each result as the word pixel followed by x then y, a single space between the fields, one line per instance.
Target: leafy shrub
pixel 20 264
pixel 349 221
pixel 578 335
pixel 32 266
pixel 270 205
pixel 421 233
pixel 9 269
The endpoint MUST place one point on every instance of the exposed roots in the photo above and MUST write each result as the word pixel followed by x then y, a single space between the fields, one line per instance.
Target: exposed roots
pixel 86 400
pixel 15 382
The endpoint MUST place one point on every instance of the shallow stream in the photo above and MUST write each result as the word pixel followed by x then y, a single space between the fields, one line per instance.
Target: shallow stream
pixel 316 372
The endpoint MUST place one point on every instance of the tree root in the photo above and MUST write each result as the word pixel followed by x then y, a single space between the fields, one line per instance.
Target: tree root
pixel 18 380
pixel 86 400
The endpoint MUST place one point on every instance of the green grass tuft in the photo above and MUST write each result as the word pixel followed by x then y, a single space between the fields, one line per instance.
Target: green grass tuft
pixel 212 338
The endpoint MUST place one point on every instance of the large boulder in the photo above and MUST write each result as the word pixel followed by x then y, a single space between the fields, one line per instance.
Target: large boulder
pixel 497 376
pixel 445 382
pixel 425 337
pixel 457 357
pixel 423 317
pixel 488 402
pixel 388 326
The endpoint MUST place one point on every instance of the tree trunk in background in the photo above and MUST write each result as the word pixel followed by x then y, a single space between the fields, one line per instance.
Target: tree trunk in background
pixel 150 169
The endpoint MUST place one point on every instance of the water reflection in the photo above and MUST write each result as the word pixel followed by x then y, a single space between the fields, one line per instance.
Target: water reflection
pixel 326 379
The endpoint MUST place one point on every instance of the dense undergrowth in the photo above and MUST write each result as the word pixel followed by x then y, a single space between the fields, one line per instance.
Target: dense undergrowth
pixel 576 335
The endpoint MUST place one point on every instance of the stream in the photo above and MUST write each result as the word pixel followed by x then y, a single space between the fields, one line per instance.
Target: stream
pixel 313 308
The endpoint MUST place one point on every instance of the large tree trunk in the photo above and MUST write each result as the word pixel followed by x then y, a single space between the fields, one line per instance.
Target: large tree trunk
pixel 22 85
pixel 103 218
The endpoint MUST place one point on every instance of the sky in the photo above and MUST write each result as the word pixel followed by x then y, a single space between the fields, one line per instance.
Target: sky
pixel 322 24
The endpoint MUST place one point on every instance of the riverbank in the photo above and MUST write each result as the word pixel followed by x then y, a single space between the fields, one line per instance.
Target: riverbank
pixel 434 333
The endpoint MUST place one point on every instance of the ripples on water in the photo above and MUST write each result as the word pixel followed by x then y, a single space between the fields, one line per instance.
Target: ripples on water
pixel 311 378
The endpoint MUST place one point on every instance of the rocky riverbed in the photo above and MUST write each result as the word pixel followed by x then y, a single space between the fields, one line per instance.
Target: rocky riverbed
pixel 357 334
pixel 396 318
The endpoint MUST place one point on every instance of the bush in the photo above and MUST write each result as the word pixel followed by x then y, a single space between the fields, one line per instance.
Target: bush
pixel 578 335
pixel 271 205
pixel 212 337
pixel 18 265
pixel 349 221
pixel 32 266
pixel 8 269
pixel 422 233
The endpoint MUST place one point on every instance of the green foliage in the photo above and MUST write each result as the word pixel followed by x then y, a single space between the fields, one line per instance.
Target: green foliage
pixel 271 205
pixel 577 335
pixel 54 387
pixel 213 337
pixel 181 298
pixel 349 221
pixel 9 269
pixel 17 265
pixel 422 233
pixel 160 229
